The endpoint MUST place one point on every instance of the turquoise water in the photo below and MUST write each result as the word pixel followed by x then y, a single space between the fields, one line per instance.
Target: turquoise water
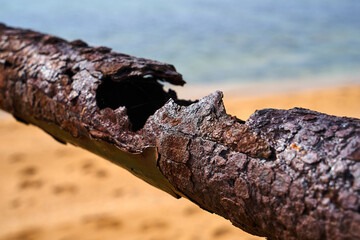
pixel 211 41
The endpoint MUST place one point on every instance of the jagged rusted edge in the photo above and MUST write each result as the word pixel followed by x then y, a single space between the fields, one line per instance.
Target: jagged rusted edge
pixel 53 84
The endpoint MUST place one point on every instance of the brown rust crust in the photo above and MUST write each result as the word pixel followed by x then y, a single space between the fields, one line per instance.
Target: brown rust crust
pixel 283 174
pixel 308 188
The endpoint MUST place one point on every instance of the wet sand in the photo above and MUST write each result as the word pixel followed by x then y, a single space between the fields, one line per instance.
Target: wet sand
pixel 52 191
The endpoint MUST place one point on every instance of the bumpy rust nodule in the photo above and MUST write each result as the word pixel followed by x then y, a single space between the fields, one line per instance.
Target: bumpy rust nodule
pixel 282 174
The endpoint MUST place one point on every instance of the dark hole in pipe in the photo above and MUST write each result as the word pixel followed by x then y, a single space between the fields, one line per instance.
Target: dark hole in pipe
pixel 141 97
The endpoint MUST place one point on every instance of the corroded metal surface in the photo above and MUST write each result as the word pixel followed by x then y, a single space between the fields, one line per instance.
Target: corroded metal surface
pixel 61 87
pixel 283 174
pixel 308 188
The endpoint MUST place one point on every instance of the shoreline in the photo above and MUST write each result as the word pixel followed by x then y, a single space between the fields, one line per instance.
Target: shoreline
pixel 255 88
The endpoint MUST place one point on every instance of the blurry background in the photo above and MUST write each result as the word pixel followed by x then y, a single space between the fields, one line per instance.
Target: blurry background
pixel 212 41
pixel 261 53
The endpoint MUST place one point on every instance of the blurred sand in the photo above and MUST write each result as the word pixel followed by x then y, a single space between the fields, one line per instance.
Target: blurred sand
pixel 340 101
pixel 52 191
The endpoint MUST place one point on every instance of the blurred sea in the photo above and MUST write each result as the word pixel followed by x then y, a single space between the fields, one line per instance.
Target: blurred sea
pixel 212 42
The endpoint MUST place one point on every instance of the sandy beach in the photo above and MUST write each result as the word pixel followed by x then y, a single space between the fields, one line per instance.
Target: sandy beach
pixel 52 191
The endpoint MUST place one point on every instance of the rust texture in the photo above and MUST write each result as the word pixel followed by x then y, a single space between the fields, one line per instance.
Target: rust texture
pixel 283 174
